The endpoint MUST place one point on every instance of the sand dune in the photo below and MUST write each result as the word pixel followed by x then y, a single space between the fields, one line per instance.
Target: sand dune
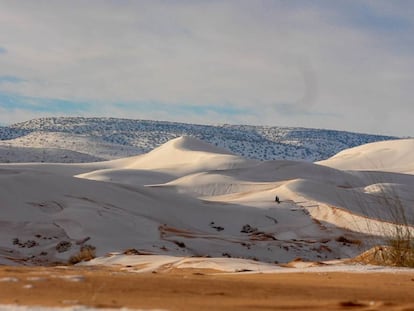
pixel 185 155
pixel 391 156
pixel 178 157
pixel 188 198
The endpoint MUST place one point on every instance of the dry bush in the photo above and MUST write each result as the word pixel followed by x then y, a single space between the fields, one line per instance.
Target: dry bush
pixel 86 253
pixel 391 239
pixel 399 248
pixel 387 256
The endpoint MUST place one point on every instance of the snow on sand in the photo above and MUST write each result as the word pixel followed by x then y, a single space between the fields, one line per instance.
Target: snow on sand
pixel 187 198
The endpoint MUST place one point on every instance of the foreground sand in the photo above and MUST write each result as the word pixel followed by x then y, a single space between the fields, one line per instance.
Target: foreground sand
pixel 205 290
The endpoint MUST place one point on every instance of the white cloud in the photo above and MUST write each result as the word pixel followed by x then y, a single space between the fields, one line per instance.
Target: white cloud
pixel 259 55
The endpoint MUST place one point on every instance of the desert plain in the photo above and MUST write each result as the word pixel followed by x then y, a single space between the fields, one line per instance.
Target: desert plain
pixel 192 289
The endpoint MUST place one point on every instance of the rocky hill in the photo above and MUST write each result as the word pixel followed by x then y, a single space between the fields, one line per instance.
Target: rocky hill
pixel 110 138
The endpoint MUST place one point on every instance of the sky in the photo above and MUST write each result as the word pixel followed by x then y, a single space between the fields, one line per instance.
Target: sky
pixel 336 64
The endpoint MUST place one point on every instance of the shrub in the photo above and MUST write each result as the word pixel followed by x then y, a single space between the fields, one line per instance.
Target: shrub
pixel 399 248
pixel 86 253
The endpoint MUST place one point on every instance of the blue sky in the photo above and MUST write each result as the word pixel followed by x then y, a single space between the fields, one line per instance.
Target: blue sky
pixel 342 64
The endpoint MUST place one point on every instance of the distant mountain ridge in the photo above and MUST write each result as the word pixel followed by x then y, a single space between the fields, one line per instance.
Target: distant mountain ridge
pixel 109 138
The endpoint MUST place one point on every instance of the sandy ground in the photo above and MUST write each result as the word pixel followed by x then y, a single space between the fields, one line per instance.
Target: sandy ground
pixel 205 290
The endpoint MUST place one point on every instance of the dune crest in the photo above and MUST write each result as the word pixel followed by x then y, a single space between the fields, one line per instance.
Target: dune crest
pixel 390 156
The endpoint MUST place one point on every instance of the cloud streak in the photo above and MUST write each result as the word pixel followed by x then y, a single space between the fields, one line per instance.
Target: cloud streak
pixel 12 102
pixel 10 79
pixel 324 63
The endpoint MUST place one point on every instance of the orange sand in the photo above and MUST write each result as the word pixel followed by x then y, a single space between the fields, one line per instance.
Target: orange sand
pixel 200 290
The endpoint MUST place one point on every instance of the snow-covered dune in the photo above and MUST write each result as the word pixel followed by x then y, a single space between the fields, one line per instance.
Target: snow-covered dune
pixel 188 198
pixel 263 175
pixel 49 217
pixel 176 158
pixel 392 156
pixel 90 148
pixel 10 154
pixel 186 155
